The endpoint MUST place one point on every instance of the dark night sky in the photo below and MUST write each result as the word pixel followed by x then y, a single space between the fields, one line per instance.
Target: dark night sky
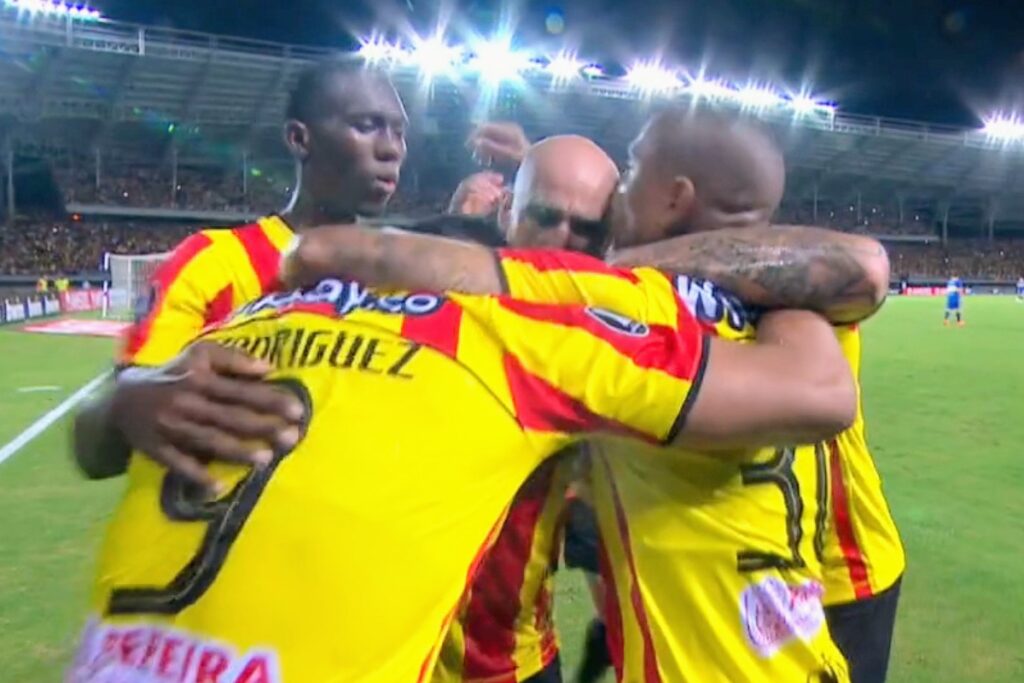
pixel 931 60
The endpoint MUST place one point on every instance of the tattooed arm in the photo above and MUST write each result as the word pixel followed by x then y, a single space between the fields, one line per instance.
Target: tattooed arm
pixel 844 277
pixel 402 260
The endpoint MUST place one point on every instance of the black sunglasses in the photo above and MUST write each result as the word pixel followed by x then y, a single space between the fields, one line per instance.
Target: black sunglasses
pixel 549 218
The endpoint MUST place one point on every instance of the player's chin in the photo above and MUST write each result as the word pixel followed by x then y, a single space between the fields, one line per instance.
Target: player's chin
pixel 374 205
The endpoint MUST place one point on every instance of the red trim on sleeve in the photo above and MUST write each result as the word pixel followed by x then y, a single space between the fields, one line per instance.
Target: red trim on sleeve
pixel 571 261
pixel 844 528
pixel 493 608
pixel 438 330
pixel 543 407
pixel 264 257
pixel 679 355
pixel 162 280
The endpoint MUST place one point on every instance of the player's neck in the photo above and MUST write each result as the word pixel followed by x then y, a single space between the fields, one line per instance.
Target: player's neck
pixel 304 212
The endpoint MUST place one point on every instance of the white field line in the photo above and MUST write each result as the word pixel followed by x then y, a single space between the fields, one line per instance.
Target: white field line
pixel 40 425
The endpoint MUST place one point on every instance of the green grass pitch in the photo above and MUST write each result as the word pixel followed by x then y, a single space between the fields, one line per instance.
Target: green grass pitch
pixel 945 409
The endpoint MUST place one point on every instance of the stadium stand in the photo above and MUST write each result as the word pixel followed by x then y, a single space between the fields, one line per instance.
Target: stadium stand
pixel 145 134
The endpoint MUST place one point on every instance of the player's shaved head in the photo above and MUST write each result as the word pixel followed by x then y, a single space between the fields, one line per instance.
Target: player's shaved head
pixel 700 171
pixel 561 195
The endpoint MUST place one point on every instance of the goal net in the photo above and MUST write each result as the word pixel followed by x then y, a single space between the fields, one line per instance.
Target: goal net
pixel 129 292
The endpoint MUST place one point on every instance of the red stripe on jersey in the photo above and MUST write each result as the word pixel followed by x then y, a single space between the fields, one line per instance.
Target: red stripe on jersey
pixel 263 255
pixel 612 613
pixel 439 330
pixel 489 621
pixel 543 407
pixel 844 528
pixel 426 670
pixel 639 348
pixel 220 308
pixel 651 673
pixel 163 279
pixel 571 261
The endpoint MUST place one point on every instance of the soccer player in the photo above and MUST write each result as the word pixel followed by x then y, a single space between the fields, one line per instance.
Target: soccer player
pixel 954 300
pixel 1020 289
pixel 666 597
pixel 345 129
pixel 343 558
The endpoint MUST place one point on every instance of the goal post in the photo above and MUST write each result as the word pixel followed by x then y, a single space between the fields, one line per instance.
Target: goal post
pixel 128 292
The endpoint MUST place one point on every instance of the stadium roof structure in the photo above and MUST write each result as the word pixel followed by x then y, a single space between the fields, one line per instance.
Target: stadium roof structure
pixel 146 93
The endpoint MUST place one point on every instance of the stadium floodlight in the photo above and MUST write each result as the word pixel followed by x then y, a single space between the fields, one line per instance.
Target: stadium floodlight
pixel 376 50
pixel 758 97
pixel 711 89
pixel 1005 127
pixel 495 61
pixel 433 56
pixel 54 8
pixel 564 67
pixel 804 105
pixel 592 71
pixel 650 77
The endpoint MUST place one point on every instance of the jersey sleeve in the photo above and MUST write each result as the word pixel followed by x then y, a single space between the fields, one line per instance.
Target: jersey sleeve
pixel 182 293
pixel 564 277
pixel 585 370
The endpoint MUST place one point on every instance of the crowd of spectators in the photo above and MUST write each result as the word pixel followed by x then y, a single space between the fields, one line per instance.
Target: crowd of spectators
pixel 873 220
pixel 50 246
pixel 153 187
pixel 972 259
pixel 65 247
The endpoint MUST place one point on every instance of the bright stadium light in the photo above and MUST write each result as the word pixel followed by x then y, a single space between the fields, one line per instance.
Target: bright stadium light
pixel 1005 127
pixel 592 71
pixel 699 87
pixel 54 8
pixel 564 67
pixel 757 97
pixel 496 61
pixel 433 56
pixel 377 50
pixel 804 104
pixel 650 77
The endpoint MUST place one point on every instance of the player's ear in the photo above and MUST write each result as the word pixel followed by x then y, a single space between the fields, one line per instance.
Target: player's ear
pixel 296 139
pixel 681 199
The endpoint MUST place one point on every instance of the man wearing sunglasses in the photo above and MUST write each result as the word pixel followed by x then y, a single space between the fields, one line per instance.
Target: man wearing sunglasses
pixel 505 628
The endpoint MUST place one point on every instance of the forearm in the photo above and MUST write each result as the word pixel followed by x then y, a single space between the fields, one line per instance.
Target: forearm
pixel 791 386
pixel 844 277
pixel 392 259
pixel 100 450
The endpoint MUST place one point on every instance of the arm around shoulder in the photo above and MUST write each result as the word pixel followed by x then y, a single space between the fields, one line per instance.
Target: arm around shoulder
pixel 791 386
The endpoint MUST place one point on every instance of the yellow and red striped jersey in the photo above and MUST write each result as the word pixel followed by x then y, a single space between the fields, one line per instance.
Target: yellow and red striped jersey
pixel 504 631
pixel 345 559
pixel 206 277
pixel 712 564
pixel 863 551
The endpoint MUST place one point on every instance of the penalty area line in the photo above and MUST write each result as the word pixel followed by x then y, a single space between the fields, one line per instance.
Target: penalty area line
pixel 41 425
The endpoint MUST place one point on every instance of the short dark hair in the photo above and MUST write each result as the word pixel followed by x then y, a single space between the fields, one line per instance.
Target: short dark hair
pixel 304 98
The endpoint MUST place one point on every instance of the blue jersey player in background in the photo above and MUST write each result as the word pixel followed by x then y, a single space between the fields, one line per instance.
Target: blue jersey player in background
pixel 954 298
pixel 1020 289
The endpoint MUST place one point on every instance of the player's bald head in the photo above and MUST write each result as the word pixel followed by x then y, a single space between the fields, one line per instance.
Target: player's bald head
pixel 566 176
pixel 701 171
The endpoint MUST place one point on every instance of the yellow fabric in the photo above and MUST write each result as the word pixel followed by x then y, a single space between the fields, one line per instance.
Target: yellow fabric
pixel 207 265
pixel 673 527
pixel 361 541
